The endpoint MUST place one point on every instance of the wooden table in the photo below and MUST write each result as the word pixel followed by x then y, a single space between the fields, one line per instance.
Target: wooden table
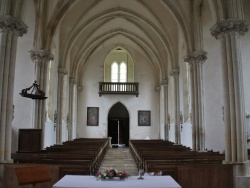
pixel 76 181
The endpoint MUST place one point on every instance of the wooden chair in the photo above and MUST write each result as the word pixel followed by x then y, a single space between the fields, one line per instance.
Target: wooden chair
pixel 32 175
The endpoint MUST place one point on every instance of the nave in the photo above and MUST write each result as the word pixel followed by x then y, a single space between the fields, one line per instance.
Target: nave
pixel 79 157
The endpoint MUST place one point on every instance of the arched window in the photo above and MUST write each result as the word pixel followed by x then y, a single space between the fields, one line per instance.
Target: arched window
pixel 123 72
pixel 119 72
pixel 118 66
pixel 114 72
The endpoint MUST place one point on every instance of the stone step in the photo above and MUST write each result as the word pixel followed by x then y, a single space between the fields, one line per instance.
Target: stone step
pixel 120 159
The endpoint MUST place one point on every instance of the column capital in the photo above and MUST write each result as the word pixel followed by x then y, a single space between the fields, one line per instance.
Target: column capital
pixel 174 72
pixel 197 56
pixel 158 88
pixel 12 25
pixel 79 88
pixel 164 82
pixel 40 55
pixel 62 72
pixel 234 26
pixel 72 81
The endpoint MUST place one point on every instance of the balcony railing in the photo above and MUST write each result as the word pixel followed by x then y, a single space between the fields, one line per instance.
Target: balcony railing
pixel 126 88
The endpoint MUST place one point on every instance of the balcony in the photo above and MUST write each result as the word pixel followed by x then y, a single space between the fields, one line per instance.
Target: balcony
pixel 125 88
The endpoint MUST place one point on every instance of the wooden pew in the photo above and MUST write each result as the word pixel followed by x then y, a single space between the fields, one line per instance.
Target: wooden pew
pixel 87 153
pixel 189 168
pixel 32 175
pixel 166 153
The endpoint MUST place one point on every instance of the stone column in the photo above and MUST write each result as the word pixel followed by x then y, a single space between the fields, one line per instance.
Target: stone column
pixel 175 73
pixel 161 109
pixel 79 90
pixel 41 58
pixel 60 92
pixel 164 85
pixel 10 29
pixel 195 60
pixel 229 32
pixel 72 102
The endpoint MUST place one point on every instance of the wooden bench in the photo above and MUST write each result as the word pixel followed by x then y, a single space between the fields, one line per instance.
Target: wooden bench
pixel 162 153
pixel 189 168
pixel 32 175
pixel 87 153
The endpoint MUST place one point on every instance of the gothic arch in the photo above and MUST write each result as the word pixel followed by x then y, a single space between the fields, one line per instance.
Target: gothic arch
pixel 118 125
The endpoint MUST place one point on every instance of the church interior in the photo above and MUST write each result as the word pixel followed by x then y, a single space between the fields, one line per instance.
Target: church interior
pixel 125 73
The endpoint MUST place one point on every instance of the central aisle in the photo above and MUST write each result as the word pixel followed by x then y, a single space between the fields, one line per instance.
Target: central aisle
pixel 120 159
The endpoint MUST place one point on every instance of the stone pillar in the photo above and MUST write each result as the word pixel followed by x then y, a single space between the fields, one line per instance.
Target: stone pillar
pixel 72 102
pixel 41 58
pixel 10 29
pixel 79 90
pixel 175 73
pixel 164 85
pixel 229 32
pixel 161 111
pixel 60 92
pixel 195 60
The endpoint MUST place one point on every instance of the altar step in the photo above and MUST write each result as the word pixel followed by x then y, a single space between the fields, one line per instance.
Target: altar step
pixel 120 159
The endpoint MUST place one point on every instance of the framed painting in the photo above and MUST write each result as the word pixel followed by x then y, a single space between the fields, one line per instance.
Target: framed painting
pixel 92 116
pixel 144 118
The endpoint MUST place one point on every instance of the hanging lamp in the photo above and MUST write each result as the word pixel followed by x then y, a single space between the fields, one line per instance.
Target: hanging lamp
pixel 35 93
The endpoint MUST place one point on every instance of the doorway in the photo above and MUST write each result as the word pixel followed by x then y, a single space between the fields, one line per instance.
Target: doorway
pixel 118 125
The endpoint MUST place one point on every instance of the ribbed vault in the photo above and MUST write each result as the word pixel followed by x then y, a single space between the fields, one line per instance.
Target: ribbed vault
pixel 151 28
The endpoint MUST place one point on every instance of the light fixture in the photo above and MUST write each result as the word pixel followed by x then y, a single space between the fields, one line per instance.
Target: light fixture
pixel 35 93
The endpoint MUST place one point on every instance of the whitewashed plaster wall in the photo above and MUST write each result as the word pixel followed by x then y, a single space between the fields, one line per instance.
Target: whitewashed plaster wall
pixel 245 51
pixel 162 119
pixel 24 78
pixel 172 132
pixel 50 126
pixel 148 99
pixel 212 84
pixel 171 108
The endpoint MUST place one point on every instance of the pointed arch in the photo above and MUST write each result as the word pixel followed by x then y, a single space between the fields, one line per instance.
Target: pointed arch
pixel 118 66
pixel 118 125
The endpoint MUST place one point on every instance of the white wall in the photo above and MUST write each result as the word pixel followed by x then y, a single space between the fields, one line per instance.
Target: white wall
pixel 172 132
pixel 245 51
pixel 186 134
pixel 171 109
pixel 212 84
pixel 50 128
pixel 24 78
pixel 148 99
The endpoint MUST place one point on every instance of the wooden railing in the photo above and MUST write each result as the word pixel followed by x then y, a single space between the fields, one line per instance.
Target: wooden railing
pixel 126 88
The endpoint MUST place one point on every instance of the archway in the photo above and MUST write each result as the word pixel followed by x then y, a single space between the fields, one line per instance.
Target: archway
pixel 118 125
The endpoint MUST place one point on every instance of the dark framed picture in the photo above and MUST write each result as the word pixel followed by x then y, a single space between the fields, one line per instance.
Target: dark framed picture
pixel 144 118
pixel 92 116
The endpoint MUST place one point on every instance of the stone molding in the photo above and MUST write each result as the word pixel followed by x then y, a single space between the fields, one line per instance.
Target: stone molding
pixel 79 88
pixel 158 88
pixel 72 81
pixel 40 55
pixel 234 26
pixel 197 56
pixel 174 72
pixel 62 71
pixel 12 25
pixel 164 82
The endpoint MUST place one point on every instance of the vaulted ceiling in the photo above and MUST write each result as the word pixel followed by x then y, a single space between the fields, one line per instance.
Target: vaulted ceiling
pixel 158 29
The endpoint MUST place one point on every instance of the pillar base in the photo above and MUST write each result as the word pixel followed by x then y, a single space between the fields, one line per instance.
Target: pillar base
pixel 241 173
pixel 240 168
pixel 242 181
pixel 6 161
